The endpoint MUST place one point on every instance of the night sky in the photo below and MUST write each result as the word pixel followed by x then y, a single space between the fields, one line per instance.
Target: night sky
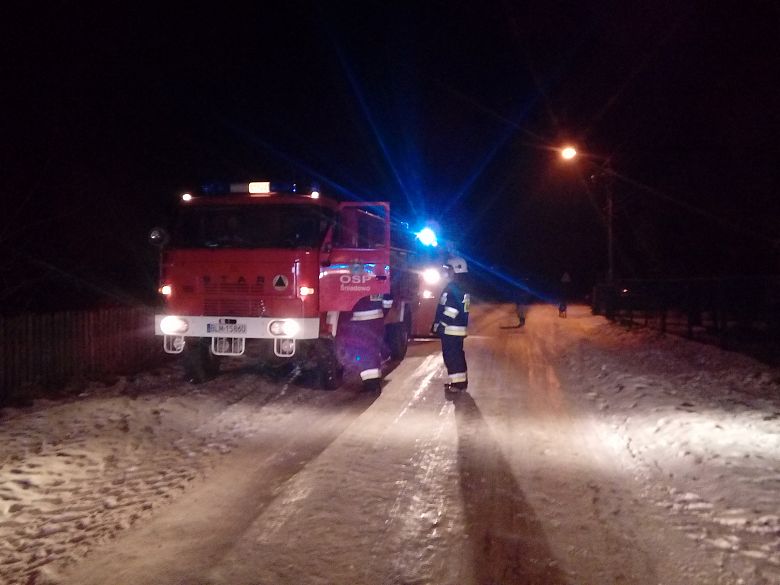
pixel 450 110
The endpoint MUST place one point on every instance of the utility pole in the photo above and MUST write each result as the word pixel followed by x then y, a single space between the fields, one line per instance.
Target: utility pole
pixel 610 229
pixel 601 176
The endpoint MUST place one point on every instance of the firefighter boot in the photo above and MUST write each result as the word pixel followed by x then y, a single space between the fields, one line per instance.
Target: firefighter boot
pixel 372 385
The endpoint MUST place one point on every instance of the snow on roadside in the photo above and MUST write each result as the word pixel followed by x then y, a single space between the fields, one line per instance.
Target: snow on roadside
pixel 702 423
pixel 75 473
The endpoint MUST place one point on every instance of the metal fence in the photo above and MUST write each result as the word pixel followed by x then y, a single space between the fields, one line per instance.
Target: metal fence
pixel 737 313
pixel 42 351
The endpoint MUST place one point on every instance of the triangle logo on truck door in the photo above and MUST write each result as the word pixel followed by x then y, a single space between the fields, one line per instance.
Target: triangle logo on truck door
pixel 280 282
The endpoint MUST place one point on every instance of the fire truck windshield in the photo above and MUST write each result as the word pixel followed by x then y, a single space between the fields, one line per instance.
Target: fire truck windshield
pixel 251 226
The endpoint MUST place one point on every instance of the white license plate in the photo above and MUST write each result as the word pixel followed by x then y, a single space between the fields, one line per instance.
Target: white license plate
pixel 226 328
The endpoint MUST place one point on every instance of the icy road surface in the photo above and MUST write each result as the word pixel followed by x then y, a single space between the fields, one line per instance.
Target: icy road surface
pixel 583 454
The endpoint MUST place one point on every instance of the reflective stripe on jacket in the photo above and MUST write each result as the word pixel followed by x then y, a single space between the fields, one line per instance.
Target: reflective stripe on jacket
pixel 368 315
pixel 452 313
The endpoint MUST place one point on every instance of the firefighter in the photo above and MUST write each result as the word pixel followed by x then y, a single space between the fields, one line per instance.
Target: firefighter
pixel 367 325
pixel 450 322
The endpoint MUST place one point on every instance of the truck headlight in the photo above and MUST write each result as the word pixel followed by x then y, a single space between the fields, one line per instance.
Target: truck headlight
pixel 172 325
pixel 285 328
pixel 431 275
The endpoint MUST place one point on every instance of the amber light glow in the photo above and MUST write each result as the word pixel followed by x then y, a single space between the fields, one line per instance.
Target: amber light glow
pixel 568 152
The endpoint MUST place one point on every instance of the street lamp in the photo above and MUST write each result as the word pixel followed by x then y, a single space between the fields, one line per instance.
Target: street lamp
pixel 601 170
pixel 568 152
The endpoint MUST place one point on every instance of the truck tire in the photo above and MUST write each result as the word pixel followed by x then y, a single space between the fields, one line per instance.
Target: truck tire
pixel 331 376
pixel 329 372
pixel 200 365
pixel 397 338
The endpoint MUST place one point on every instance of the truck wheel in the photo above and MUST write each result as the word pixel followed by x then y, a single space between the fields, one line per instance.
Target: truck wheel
pixel 397 338
pixel 330 372
pixel 200 365
pixel 331 376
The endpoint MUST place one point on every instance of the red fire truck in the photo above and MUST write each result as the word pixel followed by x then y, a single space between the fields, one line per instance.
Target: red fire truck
pixel 289 272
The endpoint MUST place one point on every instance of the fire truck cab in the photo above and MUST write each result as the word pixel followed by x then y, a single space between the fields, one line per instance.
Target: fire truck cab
pixel 299 276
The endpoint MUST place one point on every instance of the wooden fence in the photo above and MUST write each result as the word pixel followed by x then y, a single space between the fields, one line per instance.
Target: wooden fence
pixel 42 351
pixel 737 313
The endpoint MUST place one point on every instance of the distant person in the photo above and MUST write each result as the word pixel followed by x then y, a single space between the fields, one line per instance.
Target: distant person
pixel 450 323
pixel 565 287
pixel 522 303
pixel 565 294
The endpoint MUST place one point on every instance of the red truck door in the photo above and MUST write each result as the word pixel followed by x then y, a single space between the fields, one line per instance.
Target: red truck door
pixel 356 258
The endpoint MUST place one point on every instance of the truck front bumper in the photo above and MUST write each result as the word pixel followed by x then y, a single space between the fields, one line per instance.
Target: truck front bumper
pixel 246 327
pixel 229 334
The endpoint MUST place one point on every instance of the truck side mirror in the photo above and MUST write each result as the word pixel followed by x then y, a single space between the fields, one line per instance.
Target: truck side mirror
pixel 159 237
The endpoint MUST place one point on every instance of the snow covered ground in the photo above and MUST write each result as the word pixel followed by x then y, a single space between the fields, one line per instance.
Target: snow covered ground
pixel 703 428
pixel 584 453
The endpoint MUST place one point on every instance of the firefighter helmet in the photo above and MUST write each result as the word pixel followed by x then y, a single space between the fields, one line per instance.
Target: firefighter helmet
pixel 458 265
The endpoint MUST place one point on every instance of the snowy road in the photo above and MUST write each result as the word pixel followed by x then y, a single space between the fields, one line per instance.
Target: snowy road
pixel 583 454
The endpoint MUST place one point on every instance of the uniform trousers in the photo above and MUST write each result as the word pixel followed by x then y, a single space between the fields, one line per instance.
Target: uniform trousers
pixel 454 359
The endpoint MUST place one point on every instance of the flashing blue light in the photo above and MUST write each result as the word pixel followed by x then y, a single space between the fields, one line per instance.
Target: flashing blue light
pixel 427 237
